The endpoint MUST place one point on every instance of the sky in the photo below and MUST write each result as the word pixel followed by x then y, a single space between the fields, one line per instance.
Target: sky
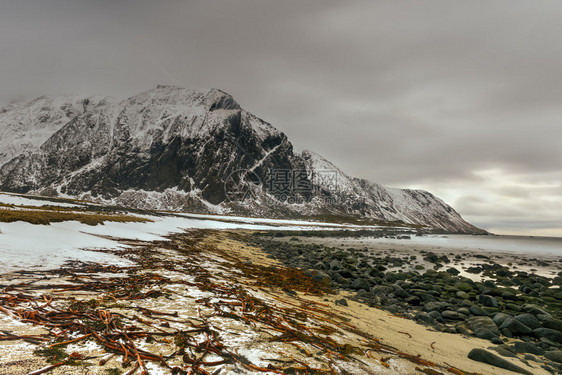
pixel 460 98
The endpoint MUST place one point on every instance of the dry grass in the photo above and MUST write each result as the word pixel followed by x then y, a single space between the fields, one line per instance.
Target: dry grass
pixel 46 217
pixel 44 208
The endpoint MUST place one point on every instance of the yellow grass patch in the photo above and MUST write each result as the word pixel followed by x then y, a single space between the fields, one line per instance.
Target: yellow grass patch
pixel 46 217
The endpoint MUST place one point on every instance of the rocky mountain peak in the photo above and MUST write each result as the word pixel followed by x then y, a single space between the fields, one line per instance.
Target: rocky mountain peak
pixel 170 95
pixel 218 99
pixel 189 150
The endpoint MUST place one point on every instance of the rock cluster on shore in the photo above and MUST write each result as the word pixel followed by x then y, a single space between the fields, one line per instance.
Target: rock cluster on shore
pixel 518 305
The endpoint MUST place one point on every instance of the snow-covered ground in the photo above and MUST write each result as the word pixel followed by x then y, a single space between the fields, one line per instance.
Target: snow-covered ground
pixel 27 246
pixel 277 222
pixel 19 200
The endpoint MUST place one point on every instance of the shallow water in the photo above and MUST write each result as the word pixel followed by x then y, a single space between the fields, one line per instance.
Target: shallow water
pixel 513 244
pixel 539 255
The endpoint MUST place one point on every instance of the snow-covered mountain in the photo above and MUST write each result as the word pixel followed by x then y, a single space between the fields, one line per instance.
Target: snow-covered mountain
pixel 182 150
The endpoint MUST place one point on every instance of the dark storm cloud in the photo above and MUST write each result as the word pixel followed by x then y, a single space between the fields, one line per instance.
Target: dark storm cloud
pixel 480 89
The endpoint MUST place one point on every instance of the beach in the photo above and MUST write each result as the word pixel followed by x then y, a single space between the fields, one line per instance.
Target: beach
pixel 257 314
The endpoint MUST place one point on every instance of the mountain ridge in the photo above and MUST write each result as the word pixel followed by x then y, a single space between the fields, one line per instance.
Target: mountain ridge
pixel 188 150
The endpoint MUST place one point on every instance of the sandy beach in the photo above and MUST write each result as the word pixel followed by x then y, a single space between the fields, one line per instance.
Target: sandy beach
pixel 263 318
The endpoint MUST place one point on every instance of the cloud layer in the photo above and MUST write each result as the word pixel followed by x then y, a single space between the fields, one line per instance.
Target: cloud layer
pixel 464 96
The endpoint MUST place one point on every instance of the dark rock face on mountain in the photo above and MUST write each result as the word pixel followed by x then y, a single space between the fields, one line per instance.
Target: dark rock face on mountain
pixel 176 149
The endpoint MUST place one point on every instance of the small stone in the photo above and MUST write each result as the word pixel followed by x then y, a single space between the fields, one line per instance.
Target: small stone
pixel 342 302
pixel 289 291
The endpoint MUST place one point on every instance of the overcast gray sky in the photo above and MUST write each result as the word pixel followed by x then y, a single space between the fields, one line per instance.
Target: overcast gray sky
pixel 466 96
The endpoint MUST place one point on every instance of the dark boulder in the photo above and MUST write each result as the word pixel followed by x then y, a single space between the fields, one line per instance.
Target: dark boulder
pixel 453 271
pixel 516 327
pixel 477 310
pixel 534 309
pixel 550 334
pixel 423 317
pixel 436 306
pixel 527 347
pixel 555 355
pixel 400 292
pixel 499 318
pixel 551 323
pixel 462 295
pixel 335 265
pixel 476 322
pixel 485 334
pixel 360 283
pixel 529 320
pixel 504 351
pixel 436 315
pixel 452 315
pixel 487 300
pixel 465 287
pixel 485 356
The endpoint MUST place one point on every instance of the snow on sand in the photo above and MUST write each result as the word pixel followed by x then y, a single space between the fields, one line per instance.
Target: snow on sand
pixel 25 246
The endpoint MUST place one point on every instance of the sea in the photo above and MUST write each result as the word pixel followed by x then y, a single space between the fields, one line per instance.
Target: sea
pixel 527 245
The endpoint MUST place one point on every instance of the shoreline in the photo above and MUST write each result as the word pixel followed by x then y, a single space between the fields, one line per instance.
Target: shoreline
pixel 473 292
pixel 190 273
pixel 544 264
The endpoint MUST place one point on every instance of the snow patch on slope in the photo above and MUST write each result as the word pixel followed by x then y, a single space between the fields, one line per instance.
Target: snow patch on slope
pixel 23 201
